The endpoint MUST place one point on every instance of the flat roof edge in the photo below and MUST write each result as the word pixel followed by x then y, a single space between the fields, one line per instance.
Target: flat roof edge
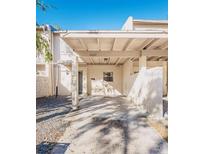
pixel 151 21
pixel 116 31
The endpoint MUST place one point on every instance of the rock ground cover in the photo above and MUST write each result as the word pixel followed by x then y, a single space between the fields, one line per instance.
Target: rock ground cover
pixel 50 121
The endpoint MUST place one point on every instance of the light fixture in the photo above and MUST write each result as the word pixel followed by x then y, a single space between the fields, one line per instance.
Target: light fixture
pixel 106 60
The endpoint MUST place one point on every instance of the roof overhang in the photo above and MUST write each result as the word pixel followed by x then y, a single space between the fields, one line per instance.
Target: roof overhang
pixel 116 46
pixel 115 34
pixel 150 21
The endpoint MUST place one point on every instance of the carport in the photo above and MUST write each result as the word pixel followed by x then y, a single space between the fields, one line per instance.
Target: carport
pixel 143 49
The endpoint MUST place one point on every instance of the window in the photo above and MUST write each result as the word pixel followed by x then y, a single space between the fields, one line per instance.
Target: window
pixel 108 76
pixel 40 69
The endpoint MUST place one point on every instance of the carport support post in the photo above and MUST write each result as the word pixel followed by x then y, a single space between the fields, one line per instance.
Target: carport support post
pixel 48 67
pixel 165 77
pixel 142 62
pixel 74 83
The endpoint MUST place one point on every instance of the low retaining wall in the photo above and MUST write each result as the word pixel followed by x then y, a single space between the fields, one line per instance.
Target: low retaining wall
pixel 147 91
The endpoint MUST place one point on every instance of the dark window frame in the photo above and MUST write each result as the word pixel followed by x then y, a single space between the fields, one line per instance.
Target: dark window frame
pixel 108 76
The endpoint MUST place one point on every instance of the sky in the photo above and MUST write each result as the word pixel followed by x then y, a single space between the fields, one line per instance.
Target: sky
pixel 99 14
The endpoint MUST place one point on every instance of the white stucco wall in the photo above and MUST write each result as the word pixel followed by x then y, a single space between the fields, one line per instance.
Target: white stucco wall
pixel 42 81
pixel 144 88
pixel 164 65
pixel 100 87
pixel 149 26
pixel 147 90
pixel 42 86
pixel 63 54
pixel 61 50
pixel 128 25
pixel 84 70
pixel 127 82
pixel 64 79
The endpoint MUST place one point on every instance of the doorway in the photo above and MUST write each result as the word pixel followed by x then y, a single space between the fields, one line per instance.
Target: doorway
pixel 80 82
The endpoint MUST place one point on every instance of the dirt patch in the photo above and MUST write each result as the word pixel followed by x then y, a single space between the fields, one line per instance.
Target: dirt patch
pixel 160 127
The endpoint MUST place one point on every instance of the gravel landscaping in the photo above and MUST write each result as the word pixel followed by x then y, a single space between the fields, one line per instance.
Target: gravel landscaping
pixel 50 121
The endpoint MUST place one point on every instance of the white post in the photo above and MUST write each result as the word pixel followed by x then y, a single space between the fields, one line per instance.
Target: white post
pixel 49 74
pixel 142 62
pixel 165 77
pixel 74 83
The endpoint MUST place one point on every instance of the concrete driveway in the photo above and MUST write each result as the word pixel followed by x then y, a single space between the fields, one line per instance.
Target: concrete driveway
pixel 110 125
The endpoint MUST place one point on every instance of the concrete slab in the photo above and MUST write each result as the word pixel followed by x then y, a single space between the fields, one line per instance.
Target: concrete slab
pixel 111 125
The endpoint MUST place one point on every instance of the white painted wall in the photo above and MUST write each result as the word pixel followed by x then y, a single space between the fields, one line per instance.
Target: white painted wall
pixel 64 79
pixel 131 24
pixel 84 70
pixel 98 86
pixel 61 50
pixel 128 25
pixel 62 73
pixel 144 88
pixel 149 26
pixel 42 86
pixel 42 81
pixel 127 70
pixel 147 90
pixel 152 64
